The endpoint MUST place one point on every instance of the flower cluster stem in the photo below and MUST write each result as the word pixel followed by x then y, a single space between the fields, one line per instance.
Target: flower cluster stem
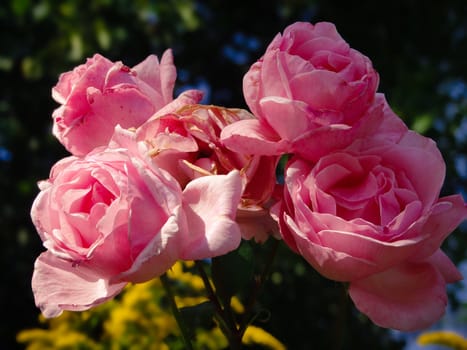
pixel 258 287
pixel 176 311
pixel 223 313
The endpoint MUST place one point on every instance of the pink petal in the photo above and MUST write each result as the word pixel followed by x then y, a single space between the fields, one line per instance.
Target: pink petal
pixel 159 254
pixel 288 118
pixel 127 107
pixel 408 297
pixel 40 213
pixel 379 121
pixel 252 137
pixel 316 143
pixel 189 97
pixel 166 132
pixel 168 75
pixel 252 86
pixel 335 265
pixel 322 89
pixel 445 266
pixel 256 223
pixel 77 80
pixel 274 75
pixel 210 205
pixel 324 48
pixel 261 177
pixel 59 285
pixel 422 162
pixel 447 214
pixel 124 138
pixel 161 77
pixel 383 121
pixel 361 245
pixel 124 105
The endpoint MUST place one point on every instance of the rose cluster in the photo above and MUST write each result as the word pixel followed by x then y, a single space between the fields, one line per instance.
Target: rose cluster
pixel 152 179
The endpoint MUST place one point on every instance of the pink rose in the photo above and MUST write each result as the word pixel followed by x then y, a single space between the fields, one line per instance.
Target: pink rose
pixel 186 142
pixel 98 95
pixel 108 219
pixel 371 215
pixel 309 81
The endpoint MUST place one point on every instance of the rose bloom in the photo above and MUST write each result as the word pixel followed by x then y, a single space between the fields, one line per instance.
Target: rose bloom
pixel 186 142
pixel 109 218
pixel 309 81
pixel 371 215
pixel 98 95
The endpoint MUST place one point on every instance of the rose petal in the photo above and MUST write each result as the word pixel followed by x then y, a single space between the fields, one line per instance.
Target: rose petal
pixel 59 285
pixel 161 77
pixel 325 260
pixel 422 161
pixel 81 77
pixel 330 91
pixel 252 137
pixel 159 254
pixel 447 214
pixel 408 297
pixel 186 98
pixel 288 118
pixel 445 266
pixel 210 204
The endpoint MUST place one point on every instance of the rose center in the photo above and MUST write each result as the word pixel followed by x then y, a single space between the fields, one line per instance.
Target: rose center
pixel 97 194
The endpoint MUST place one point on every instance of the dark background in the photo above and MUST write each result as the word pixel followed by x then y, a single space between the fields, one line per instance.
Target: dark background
pixel 418 47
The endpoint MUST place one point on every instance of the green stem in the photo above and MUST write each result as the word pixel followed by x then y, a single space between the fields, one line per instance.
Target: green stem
pixel 222 313
pixel 176 312
pixel 259 284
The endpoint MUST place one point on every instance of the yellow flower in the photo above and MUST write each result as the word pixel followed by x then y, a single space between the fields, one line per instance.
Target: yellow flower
pixel 180 272
pixel 236 305
pixel 60 338
pixel 446 338
pixel 189 301
pixel 210 340
pixel 256 335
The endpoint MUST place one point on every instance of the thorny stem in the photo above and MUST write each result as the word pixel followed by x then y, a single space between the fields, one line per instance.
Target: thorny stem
pixel 176 311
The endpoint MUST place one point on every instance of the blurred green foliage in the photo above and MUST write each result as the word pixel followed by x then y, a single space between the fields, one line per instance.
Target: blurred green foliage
pixel 418 47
